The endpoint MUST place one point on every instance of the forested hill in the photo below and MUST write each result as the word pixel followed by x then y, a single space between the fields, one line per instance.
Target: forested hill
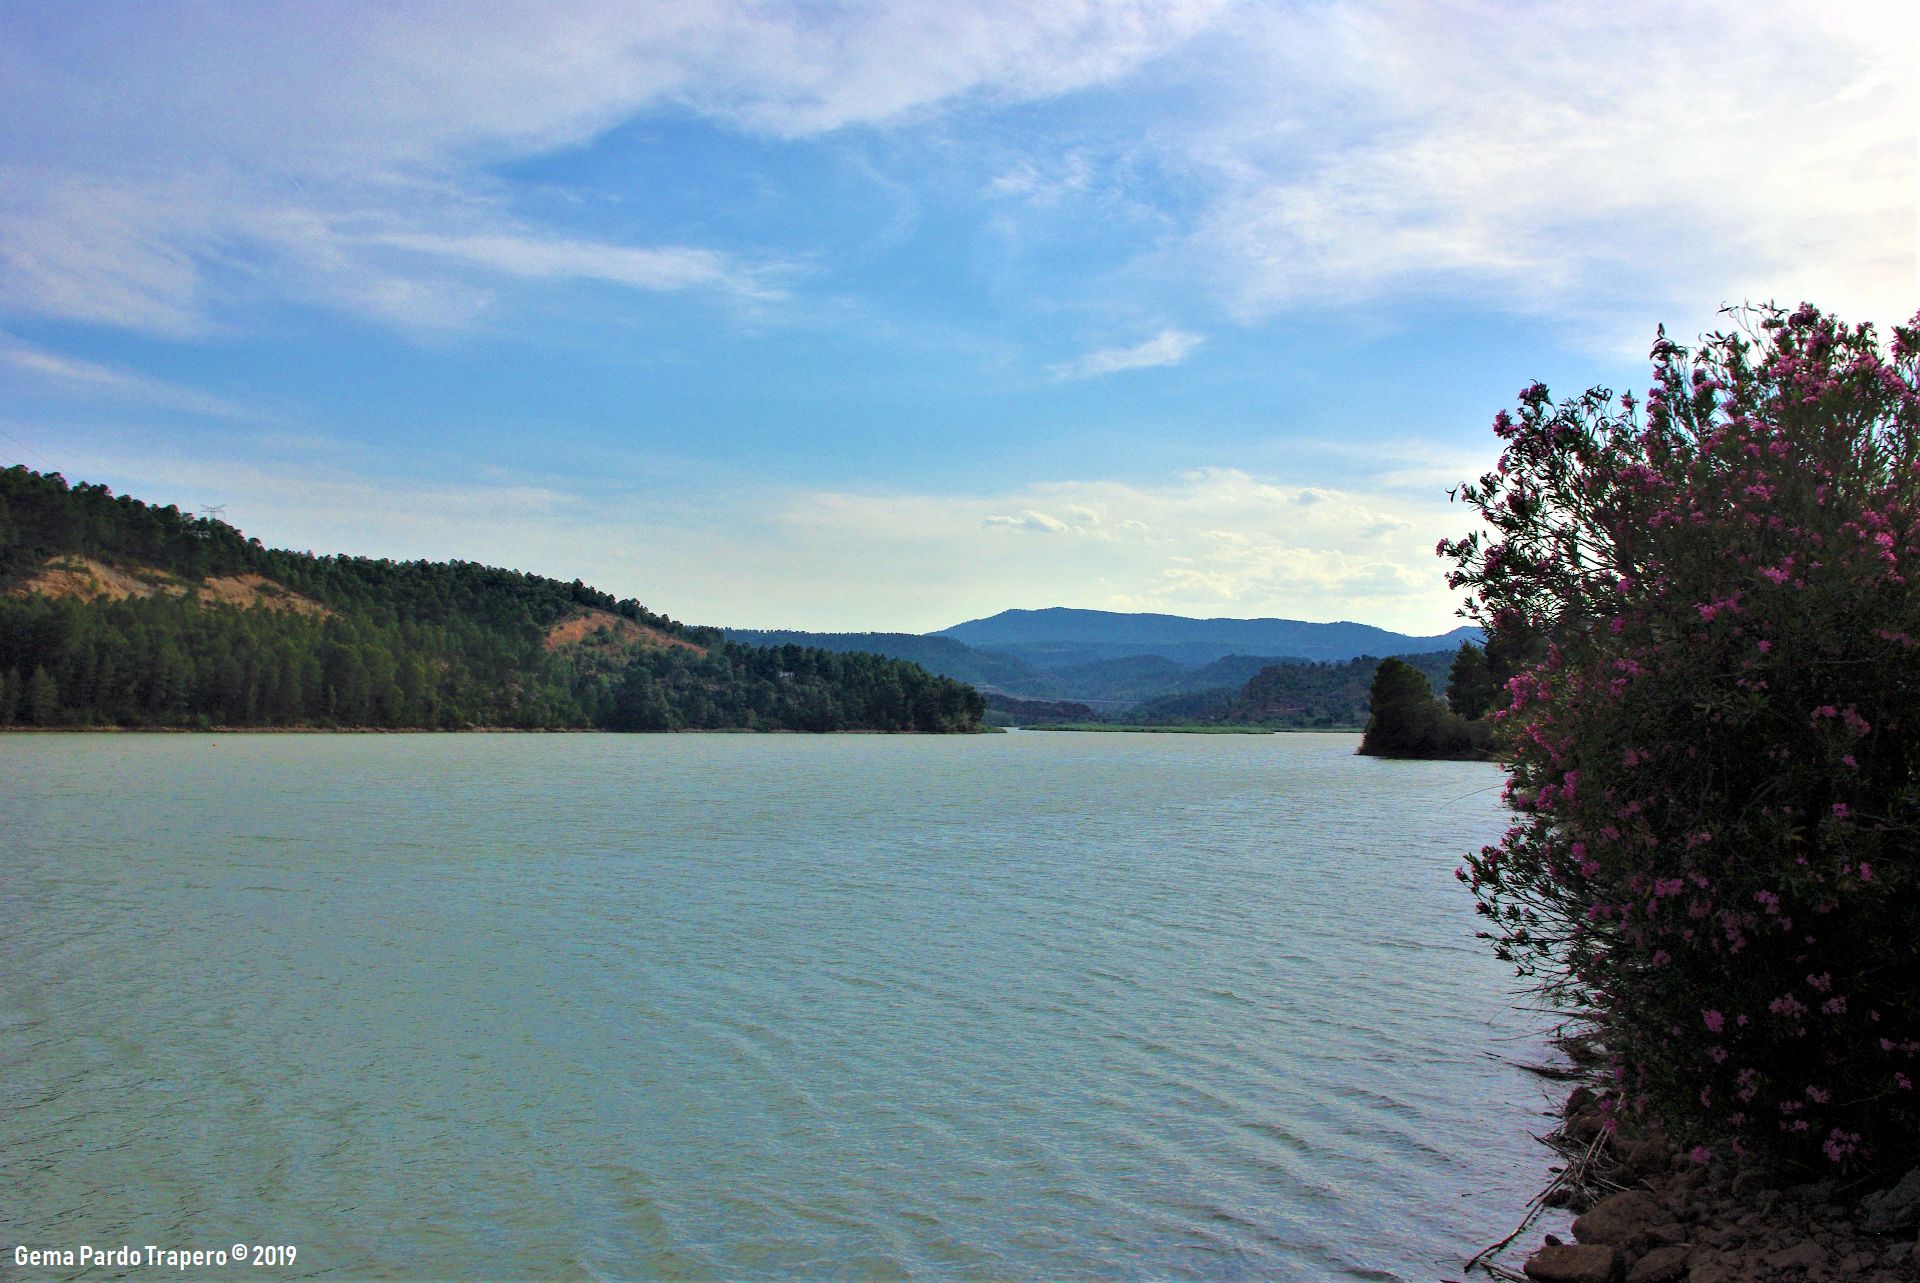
pixel 935 654
pixel 1297 693
pixel 118 612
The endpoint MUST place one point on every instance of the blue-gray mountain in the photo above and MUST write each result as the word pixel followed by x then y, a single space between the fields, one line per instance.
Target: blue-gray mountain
pixel 1058 637
pixel 1166 664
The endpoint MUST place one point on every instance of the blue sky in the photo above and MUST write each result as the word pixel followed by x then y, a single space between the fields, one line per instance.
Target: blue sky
pixel 886 316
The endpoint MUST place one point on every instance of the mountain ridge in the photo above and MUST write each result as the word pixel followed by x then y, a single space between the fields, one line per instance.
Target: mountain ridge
pixel 1113 676
pixel 1047 636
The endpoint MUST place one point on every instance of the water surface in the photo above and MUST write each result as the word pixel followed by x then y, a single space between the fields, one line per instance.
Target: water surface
pixel 755 1007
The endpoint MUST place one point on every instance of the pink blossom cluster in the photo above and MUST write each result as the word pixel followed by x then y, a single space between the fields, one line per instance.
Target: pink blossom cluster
pixel 1715 760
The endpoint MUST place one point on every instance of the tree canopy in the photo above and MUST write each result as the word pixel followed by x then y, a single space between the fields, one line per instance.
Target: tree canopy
pixel 413 644
pixel 1407 721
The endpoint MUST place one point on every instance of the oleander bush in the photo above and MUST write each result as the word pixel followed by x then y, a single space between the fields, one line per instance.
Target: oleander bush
pixel 1716 847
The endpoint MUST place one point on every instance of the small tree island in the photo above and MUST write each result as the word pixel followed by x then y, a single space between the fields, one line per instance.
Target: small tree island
pixel 1407 720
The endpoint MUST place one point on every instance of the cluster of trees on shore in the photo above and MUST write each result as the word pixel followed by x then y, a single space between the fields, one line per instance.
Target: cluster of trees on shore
pixel 1309 694
pixel 1406 719
pixel 1715 757
pixel 433 645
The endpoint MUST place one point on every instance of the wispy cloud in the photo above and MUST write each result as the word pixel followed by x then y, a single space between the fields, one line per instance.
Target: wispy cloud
pixel 1046 523
pixel 1208 542
pixel 1169 347
pixel 102 249
pixel 1213 541
pixel 673 268
pixel 151 180
pixel 1357 152
pixel 1492 152
pixel 93 379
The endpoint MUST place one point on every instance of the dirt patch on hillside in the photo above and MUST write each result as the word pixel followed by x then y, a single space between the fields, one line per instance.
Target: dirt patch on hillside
pixel 85 579
pixel 258 590
pixel 604 630
pixel 89 580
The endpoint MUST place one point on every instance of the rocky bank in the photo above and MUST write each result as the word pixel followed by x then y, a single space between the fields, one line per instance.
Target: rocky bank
pixel 1650 1214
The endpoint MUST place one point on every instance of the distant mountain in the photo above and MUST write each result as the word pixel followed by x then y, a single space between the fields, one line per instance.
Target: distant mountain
pixel 940 655
pixel 1062 637
pixel 1123 680
pixel 1110 676
pixel 1109 685
pixel 1204 694
pixel 1231 671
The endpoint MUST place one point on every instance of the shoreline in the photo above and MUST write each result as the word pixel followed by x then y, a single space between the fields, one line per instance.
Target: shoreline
pixel 1193 728
pixel 444 730
pixel 984 729
pixel 1648 1213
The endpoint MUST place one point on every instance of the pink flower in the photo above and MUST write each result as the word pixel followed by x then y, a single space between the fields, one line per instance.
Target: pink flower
pixel 1715 1022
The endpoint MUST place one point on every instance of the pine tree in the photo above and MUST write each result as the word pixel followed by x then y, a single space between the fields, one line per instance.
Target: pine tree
pixel 42 703
pixel 1470 684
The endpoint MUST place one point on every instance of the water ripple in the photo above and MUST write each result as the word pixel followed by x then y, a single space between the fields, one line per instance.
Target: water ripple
pixel 698 1007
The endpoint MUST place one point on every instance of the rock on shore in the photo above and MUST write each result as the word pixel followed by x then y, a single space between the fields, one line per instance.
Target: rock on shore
pixel 1668 1219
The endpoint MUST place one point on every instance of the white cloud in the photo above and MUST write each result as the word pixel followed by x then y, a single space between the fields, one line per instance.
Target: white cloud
pixel 674 268
pixel 1169 347
pixel 1040 521
pixel 1211 542
pixel 1602 164
pixel 150 175
pixel 93 249
pixel 1612 162
pixel 1045 187
pixel 92 378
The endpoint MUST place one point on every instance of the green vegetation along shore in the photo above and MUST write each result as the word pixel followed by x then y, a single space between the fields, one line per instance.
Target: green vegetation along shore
pixel 115 612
